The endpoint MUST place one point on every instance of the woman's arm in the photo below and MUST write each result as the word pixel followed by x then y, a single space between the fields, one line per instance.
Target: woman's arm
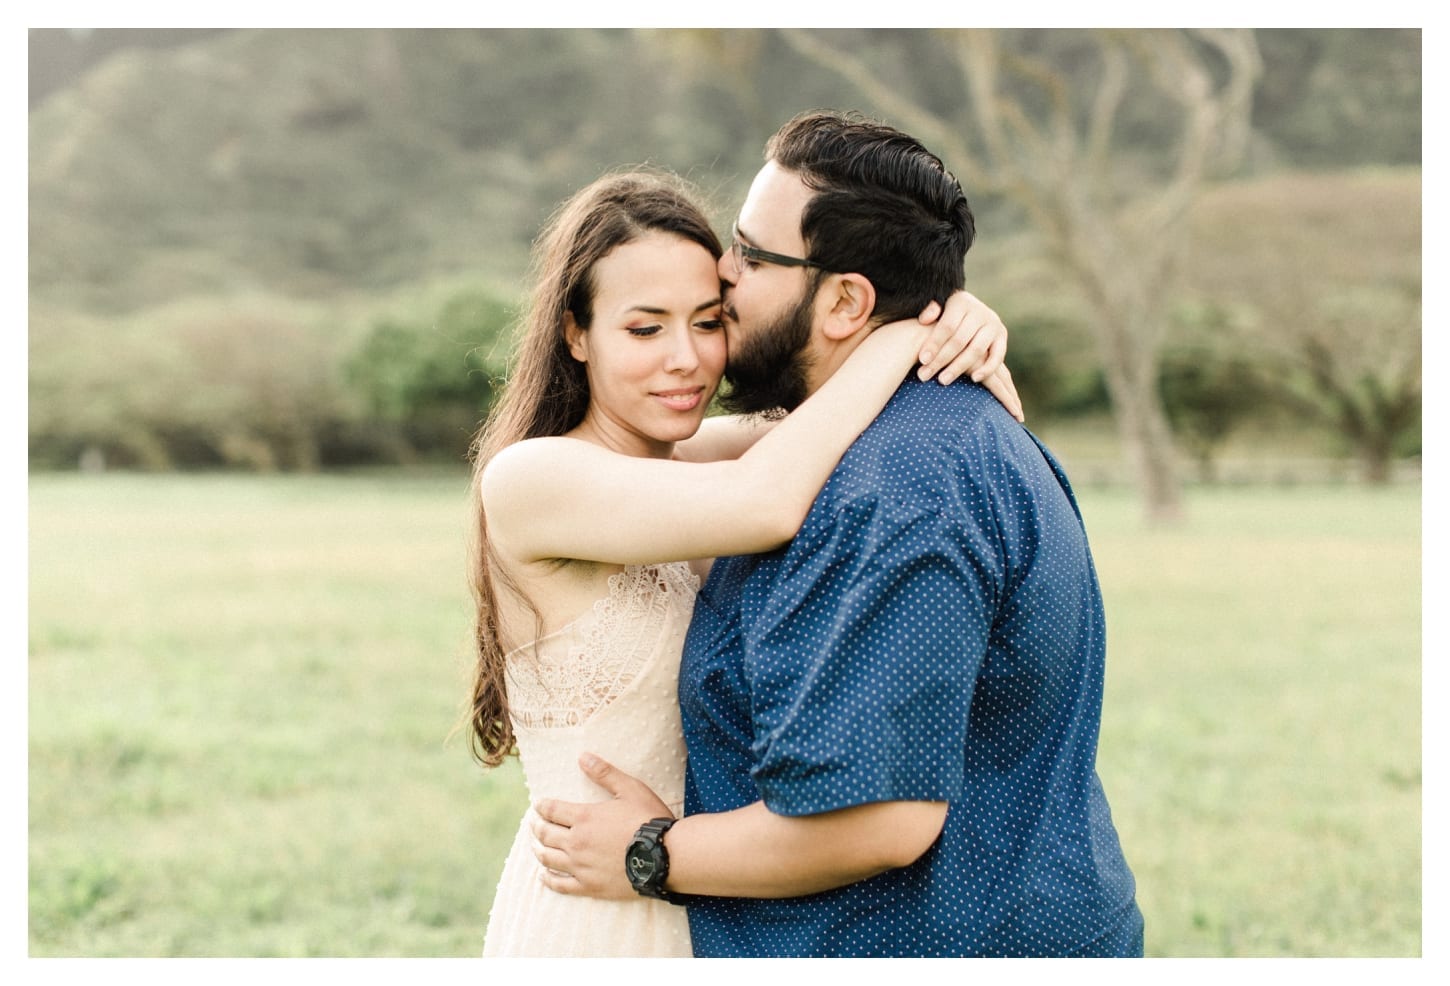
pixel 968 337
pixel 552 498
pixel 726 436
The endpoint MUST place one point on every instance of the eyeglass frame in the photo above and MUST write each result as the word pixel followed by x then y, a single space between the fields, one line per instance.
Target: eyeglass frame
pixel 740 250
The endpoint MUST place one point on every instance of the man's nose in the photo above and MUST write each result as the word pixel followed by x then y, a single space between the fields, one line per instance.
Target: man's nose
pixel 725 266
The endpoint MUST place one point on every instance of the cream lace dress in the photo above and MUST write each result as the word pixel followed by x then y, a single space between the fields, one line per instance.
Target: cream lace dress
pixel 607 684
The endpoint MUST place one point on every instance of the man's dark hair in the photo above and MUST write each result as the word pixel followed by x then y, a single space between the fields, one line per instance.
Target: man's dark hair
pixel 885 208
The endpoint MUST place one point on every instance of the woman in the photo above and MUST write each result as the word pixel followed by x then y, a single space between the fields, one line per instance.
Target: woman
pixel 591 481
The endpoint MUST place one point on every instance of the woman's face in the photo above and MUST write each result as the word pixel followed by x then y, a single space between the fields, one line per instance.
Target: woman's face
pixel 656 349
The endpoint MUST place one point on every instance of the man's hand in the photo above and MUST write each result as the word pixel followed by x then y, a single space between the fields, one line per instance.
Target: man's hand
pixel 582 846
pixel 970 338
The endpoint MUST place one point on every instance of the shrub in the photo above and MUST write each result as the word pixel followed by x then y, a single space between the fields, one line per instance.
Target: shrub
pixel 427 384
pixel 249 384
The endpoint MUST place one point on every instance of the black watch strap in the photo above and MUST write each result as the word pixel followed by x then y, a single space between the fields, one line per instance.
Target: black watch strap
pixel 647 851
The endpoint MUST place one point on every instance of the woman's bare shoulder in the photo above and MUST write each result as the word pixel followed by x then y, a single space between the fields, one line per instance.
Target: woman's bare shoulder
pixel 533 460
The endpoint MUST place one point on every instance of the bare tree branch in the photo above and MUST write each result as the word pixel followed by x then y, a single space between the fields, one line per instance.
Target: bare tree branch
pixel 1061 134
pixel 926 126
pixel 1245 67
pixel 1216 121
pixel 1106 103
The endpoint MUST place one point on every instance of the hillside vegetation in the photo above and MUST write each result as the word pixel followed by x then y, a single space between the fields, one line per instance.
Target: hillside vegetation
pixel 228 234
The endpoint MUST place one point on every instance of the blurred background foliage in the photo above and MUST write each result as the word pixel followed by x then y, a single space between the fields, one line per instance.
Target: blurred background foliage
pixel 304 249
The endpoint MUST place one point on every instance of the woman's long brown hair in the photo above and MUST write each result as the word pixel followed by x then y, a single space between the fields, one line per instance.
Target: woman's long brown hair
pixel 548 392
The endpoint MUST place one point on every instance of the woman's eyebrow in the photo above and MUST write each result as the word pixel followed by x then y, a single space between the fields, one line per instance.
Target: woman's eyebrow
pixel 652 310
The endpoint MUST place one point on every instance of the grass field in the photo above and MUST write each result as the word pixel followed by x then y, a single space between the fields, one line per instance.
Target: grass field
pixel 242 690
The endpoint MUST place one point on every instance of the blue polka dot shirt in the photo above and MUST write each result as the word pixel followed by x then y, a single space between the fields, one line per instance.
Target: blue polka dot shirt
pixel 934 633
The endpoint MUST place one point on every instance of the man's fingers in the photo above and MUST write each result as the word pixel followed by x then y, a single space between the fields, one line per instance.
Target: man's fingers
pixel 560 883
pixel 564 813
pixel 548 834
pixel 606 775
pixel 552 859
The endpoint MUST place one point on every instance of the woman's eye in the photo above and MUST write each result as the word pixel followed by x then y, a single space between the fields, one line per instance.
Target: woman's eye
pixel 643 331
pixel 711 323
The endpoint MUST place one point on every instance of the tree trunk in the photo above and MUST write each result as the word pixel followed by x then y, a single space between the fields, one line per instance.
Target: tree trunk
pixel 1122 278
pixel 1375 455
pixel 1132 379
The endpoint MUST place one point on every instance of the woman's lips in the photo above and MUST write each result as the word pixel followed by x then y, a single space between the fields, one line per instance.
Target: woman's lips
pixel 680 400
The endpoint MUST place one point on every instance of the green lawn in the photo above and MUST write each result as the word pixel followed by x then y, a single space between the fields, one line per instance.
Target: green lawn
pixel 243 690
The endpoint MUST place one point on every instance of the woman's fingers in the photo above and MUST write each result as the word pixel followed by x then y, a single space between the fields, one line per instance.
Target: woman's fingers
pixel 969 338
pixel 1001 387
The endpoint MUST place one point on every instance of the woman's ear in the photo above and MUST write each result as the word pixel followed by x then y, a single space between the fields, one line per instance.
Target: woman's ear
pixel 850 300
pixel 577 338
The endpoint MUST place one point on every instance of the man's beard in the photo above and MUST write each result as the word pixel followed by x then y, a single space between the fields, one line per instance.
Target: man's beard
pixel 767 374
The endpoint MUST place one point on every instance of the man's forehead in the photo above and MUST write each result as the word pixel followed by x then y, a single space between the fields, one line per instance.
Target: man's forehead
pixel 771 215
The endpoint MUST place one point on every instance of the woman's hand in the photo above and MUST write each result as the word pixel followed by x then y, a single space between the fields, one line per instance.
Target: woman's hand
pixel 968 338
pixel 1000 385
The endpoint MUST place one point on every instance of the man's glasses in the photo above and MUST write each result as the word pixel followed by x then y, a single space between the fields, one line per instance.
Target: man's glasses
pixel 741 252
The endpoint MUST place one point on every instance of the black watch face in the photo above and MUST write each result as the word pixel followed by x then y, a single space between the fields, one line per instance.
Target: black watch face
pixel 641 866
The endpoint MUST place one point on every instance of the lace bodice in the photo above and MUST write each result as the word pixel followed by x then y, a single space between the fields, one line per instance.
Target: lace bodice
pixel 607 683
pixel 564 678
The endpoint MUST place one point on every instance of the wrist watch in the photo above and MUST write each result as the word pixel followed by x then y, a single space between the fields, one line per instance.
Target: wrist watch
pixel 647 863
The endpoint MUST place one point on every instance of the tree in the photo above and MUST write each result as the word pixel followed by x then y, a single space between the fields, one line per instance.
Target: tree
pixel 1208 395
pixel 1103 139
pixel 1376 408
pixel 426 383
pixel 1321 277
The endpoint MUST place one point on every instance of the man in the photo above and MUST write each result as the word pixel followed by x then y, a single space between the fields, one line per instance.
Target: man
pixel 896 715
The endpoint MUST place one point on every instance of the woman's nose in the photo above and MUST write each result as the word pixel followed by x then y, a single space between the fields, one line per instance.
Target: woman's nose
pixel 683 356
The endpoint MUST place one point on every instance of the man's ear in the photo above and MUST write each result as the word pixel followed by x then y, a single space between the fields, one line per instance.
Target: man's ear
pixel 577 338
pixel 849 300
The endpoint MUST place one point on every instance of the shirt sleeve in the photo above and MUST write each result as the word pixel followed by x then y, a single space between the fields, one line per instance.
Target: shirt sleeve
pixel 864 656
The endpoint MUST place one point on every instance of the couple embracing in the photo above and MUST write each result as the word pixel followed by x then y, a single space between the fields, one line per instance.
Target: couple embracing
pixel 821 677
